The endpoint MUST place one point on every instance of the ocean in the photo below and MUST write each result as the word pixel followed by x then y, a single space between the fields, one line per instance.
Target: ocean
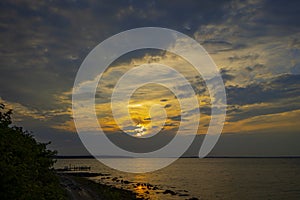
pixel 209 178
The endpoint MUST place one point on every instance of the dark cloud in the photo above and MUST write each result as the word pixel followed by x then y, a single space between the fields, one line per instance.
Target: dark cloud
pixel 129 128
pixel 204 109
pixel 296 69
pixel 281 94
pixel 243 57
pixel 254 67
pixel 261 18
pixel 226 76
pixel 171 124
pixel 282 87
pixel 240 114
pixel 218 46
pixel 198 84
pixel 176 118
pixel 33 88
pixel 164 100
pixel 283 15
pixel 61 118
pixel 167 106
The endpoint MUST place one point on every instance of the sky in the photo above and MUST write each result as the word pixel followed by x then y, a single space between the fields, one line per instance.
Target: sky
pixel 255 45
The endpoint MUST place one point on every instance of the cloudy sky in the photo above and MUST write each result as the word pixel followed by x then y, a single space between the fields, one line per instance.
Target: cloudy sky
pixel 255 45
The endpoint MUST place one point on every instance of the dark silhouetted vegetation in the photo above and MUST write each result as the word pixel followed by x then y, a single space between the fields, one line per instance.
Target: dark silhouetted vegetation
pixel 25 165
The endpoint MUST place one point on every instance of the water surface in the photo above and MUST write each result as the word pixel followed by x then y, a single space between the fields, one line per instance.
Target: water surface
pixel 209 178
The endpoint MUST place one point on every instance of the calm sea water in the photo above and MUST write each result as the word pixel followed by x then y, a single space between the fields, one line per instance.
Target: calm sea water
pixel 209 178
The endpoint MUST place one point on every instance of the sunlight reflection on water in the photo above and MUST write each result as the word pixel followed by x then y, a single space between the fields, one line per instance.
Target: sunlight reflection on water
pixel 205 178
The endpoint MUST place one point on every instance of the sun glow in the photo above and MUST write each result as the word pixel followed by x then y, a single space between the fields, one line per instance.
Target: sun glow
pixel 140 130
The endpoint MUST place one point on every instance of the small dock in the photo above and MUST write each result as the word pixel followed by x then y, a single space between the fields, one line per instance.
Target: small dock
pixel 74 168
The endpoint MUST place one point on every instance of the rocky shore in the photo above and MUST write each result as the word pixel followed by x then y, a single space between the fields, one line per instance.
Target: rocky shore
pixel 80 186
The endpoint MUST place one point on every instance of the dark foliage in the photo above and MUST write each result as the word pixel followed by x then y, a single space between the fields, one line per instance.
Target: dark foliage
pixel 25 165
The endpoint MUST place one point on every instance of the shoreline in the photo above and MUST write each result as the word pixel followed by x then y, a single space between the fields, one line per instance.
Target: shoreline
pixel 185 157
pixel 80 187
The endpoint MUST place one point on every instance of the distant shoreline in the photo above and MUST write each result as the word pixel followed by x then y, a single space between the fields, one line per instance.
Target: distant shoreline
pixel 92 157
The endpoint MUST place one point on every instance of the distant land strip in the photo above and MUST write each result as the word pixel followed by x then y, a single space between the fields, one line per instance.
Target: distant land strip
pixel 107 156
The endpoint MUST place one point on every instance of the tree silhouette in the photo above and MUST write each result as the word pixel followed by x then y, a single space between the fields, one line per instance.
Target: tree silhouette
pixel 26 166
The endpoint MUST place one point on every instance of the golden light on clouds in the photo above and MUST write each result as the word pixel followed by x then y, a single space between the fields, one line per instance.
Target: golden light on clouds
pixel 140 110
pixel 277 122
pixel 144 102
pixel 145 97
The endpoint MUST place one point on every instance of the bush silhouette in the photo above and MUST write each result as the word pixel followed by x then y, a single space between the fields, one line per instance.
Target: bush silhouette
pixel 25 165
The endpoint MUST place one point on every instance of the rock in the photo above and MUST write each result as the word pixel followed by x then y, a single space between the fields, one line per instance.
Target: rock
pixel 155 188
pixel 103 174
pixel 169 192
pixel 193 198
pixel 183 195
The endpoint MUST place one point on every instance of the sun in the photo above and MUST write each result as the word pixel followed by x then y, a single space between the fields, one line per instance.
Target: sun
pixel 140 130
